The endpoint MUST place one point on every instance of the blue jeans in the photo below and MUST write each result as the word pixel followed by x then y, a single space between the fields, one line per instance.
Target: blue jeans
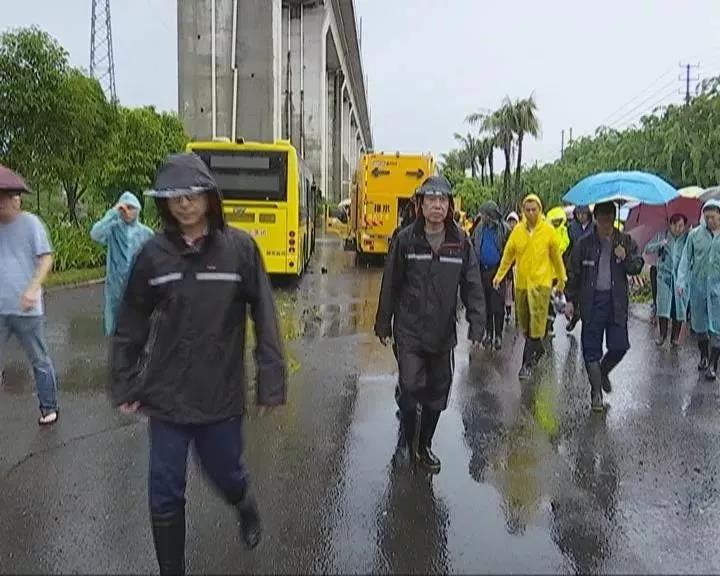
pixel 602 324
pixel 30 332
pixel 219 447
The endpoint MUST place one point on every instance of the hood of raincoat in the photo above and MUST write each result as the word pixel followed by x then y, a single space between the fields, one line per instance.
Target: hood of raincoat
pixel 131 200
pixel 186 174
pixel 491 211
pixel 557 213
pixel 513 216
pixel 711 204
pixel 534 198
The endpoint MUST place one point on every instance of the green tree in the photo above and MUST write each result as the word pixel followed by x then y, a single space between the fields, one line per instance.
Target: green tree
pixel 470 147
pixel 472 194
pixel 525 122
pixel 501 124
pixel 678 143
pixel 81 147
pixel 32 66
pixel 142 140
pixel 487 142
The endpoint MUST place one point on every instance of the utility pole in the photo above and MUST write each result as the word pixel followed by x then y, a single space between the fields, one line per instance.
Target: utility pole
pixel 562 143
pixel 570 140
pixel 102 63
pixel 687 77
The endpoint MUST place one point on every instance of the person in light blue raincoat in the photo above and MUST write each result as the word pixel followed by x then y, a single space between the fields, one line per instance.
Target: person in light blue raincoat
pixel 699 277
pixel 123 234
pixel 671 306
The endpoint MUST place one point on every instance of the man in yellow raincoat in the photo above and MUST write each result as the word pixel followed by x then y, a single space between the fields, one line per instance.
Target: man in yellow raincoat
pixel 535 249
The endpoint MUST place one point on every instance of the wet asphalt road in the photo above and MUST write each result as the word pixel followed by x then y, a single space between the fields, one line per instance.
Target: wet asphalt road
pixel 531 480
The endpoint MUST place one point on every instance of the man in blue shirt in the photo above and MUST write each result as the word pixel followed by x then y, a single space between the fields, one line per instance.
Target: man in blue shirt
pixel 25 261
pixel 489 239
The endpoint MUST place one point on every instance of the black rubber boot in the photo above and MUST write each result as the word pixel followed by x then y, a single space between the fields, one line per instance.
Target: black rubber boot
pixel 595 376
pixel 704 347
pixel 249 518
pixel 607 364
pixel 539 351
pixel 428 424
pixel 527 359
pixel 408 419
pixel 169 536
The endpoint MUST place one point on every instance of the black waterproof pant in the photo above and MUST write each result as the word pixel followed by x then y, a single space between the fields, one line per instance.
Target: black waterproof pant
pixel 494 303
pixel 425 379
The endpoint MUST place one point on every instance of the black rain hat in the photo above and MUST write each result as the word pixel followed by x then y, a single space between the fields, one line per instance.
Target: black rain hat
pixel 182 174
pixel 435 186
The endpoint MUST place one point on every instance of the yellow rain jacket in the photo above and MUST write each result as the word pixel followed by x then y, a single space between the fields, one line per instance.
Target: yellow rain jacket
pixel 538 261
pixel 558 213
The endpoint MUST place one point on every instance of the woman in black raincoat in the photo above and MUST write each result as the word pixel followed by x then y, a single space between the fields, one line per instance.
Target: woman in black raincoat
pixel 178 351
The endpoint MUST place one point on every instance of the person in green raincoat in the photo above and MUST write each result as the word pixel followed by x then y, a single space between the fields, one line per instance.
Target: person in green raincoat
pixel 699 278
pixel 558 218
pixel 122 233
pixel 669 247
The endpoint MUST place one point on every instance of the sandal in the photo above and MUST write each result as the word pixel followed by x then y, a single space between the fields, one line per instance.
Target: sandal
pixel 49 418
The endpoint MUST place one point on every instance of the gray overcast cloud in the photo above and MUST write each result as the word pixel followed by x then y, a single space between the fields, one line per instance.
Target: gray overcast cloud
pixel 431 63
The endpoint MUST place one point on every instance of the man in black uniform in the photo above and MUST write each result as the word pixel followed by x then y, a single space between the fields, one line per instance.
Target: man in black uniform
pixel 598 286
pixel 408 217
pixel 179 345
pixel 427 264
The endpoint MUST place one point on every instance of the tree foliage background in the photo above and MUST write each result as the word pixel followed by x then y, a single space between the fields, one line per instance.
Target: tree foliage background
pixel 77 150
pixel 678 143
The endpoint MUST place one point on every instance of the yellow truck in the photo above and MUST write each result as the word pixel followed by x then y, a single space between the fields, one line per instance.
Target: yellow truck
pixel 382 187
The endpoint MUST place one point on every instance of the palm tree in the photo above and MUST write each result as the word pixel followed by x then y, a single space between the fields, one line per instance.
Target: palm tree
pixel 524 121
pixel 455 160
pixel 488 142
pixel 483 150
pixel 501 123
pixel 470 145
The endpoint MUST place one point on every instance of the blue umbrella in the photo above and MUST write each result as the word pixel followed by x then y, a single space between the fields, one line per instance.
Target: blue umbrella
pixel 621 186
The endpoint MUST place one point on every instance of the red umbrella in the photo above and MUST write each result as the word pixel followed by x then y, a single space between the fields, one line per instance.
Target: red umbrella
pixel 645 221
pixel 12 182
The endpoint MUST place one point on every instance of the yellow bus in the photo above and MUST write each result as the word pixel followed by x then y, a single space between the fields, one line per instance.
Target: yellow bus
pixel 269 192
pixel 383 186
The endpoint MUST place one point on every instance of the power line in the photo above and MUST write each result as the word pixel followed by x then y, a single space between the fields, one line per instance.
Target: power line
pixel 615 115
pixel 632 118
pixel 643 103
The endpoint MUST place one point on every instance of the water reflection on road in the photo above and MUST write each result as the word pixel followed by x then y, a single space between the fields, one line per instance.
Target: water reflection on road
pixel 531 480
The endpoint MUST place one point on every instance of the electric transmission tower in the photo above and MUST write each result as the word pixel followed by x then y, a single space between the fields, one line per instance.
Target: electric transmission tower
pixel 102 64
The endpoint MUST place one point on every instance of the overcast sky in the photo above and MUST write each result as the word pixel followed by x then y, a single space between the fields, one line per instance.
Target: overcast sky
pixel 431 63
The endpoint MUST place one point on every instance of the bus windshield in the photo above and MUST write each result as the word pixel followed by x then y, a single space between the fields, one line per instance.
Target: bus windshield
pixel 248 175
